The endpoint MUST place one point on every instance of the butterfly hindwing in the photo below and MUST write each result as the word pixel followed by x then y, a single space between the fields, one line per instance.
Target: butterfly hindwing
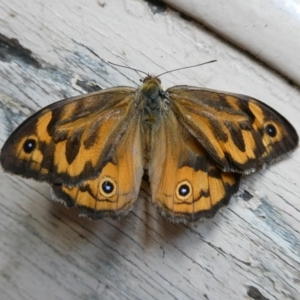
pixel 113 192
pixel 185 183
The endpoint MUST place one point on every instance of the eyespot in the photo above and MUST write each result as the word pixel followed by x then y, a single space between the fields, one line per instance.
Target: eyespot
pixel 184 190
pixel 29 145
pixel 107 187
pixel 271 130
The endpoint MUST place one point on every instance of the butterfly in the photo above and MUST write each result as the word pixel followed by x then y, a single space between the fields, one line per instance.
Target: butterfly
pixel 194 144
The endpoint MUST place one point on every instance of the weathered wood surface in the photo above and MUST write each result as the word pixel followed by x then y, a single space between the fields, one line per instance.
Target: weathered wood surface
pixel 52 49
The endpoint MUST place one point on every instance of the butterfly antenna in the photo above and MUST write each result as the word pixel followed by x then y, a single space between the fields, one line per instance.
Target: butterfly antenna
pixel 127 68
pixel 208 62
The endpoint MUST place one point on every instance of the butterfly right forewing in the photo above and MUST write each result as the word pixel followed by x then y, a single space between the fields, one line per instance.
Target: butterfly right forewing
pixel 241 134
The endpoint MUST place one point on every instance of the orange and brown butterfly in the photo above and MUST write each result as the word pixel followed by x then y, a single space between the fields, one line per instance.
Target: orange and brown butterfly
pixel 194 144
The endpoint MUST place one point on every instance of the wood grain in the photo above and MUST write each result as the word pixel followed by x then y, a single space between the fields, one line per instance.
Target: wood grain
pixel 251 249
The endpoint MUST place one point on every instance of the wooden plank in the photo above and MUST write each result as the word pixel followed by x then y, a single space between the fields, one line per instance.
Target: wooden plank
pixel 251 247
pixel 253 26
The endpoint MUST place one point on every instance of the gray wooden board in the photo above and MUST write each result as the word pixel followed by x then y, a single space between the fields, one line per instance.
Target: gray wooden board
pixel 250 249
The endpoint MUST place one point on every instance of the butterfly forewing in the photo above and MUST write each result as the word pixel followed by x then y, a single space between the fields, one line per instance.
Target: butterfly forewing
pixel 240 133
pixel 70 140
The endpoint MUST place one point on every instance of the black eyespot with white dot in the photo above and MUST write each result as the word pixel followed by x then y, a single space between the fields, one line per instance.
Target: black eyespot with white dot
pixel 183 190
pixel 29 145
pixel 108 187
pixel 271 130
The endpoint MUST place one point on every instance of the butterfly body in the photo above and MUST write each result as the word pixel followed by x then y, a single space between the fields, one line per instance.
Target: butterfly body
pixel 194 143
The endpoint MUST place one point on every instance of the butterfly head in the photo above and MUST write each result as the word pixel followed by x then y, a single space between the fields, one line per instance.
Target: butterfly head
pixel 151 81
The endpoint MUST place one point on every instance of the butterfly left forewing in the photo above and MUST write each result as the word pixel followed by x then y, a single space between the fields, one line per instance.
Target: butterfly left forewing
pixel 114 191
pixel 70 140
pixel 185 183
pixel 241 134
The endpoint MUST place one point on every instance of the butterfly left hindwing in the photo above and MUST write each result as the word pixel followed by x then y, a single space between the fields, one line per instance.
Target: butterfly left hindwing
pixel 113 192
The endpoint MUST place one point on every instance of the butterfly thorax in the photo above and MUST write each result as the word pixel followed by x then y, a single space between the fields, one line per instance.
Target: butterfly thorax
pixel 153 99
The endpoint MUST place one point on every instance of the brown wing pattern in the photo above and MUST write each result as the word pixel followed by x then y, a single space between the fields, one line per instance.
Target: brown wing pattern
pixel 113 192
pixel 70 140
pixel 185 183
pixel 241 134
